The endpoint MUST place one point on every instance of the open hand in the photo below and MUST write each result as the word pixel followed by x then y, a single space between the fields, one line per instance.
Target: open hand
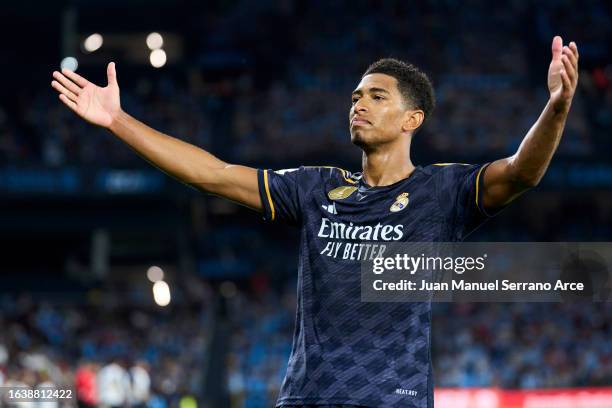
pixel 95 104
pixel 563 73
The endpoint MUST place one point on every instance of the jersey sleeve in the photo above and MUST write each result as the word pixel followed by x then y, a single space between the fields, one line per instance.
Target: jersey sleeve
pixel 460 190
pixel 280 197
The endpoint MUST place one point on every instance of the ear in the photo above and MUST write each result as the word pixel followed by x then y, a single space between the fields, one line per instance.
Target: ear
pixel 412 120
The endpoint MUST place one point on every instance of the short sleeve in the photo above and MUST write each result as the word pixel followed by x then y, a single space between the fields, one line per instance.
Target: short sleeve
pixel 280 195
pixel 460 190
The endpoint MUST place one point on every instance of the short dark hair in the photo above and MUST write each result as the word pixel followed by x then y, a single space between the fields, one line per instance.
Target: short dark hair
pixel 414 85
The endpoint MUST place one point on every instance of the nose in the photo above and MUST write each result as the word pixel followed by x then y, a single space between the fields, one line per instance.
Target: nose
pixel 360 106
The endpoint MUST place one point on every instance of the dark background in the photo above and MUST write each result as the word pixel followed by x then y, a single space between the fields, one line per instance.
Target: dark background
pixel 268 84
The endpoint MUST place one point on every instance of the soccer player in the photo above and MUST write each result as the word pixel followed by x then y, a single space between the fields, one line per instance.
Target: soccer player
pixel 348 352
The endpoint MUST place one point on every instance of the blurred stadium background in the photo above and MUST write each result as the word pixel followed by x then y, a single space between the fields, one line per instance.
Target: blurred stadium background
pixel 83 219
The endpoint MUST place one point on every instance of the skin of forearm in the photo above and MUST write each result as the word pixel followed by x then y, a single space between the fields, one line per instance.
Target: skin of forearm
pixel 183 161
pixel 533 156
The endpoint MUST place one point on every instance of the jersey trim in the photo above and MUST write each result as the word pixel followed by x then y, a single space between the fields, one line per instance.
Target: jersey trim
pixel 345 173
pixel 478 185
pixel 479 191
pixel 346 176
pixel 267 188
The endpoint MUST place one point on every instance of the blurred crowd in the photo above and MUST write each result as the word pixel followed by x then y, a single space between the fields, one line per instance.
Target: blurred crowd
pixel 287 102
pixel 291 102
pixel 107 357
pixel 141 358
pixel 52 135
pixel 512 345
pixel 523 345
pixel 262 328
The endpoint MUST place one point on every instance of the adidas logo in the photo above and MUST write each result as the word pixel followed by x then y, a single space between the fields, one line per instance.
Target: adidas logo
pixel 331 208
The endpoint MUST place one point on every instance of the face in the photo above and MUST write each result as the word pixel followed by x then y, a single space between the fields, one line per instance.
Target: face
pixel 377 112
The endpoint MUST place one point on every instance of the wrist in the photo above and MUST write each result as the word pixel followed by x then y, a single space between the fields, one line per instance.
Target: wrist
pixel 116 120
pixel 560 106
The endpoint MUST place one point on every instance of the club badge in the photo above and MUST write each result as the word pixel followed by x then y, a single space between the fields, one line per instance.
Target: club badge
pixel 400 203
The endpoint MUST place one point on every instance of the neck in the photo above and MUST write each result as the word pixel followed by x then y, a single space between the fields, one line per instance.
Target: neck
pixel 387 164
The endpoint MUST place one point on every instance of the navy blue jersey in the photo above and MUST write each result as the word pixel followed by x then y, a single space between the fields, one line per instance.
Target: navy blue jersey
pixel 346 351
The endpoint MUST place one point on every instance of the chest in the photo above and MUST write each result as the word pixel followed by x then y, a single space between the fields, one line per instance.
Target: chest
pixel 405 213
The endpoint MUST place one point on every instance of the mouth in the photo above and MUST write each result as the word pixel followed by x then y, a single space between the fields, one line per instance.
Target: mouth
pixel 360 122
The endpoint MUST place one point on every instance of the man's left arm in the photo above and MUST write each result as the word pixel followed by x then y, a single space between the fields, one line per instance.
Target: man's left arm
pixel 507 178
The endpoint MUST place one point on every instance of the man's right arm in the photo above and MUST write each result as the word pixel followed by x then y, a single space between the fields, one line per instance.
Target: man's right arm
pixel 186 162
pixel 189 163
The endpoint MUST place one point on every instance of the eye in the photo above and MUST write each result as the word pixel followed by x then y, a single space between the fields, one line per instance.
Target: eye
pixel 354 99
pixel 378 97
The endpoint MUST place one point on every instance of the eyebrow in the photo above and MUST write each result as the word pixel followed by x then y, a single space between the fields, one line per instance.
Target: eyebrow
pixel 371 90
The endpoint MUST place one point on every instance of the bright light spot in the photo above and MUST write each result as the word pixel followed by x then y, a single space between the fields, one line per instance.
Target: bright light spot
pixel 188 402
pixel 155 41
pixel 228 289
pixel 155 273
pixel 93 42
pixel 158 58
pixel 70 63
pixel 161 293
pixel 486 398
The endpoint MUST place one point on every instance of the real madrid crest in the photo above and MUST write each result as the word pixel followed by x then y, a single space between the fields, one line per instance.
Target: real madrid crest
pixel 340 193
pixel 400 203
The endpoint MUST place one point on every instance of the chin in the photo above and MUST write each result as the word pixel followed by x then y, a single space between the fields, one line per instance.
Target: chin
pixel 360 139
pixel 357 138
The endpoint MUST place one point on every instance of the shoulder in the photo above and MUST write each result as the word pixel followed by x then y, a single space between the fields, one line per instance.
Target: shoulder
pixel 454 175
pixel 310 178
pixel 329 173
pixel 454 172
pixel 447 168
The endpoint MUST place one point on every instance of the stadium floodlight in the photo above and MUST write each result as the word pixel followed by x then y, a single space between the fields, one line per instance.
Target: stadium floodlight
pixel 70 63
pixel 161 293
pixel 155 273
pixel 158 58
pixel 93 42
pixel 155 41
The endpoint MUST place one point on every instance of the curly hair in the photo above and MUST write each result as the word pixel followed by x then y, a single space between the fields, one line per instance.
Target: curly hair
pixel 414 85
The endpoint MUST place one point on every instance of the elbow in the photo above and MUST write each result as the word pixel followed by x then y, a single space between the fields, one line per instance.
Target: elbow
pixel 524 179
pixel 527 181
pixel 522 176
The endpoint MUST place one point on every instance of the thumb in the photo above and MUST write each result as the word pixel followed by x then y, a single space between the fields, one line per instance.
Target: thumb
pixel 111 74
pixel 557 48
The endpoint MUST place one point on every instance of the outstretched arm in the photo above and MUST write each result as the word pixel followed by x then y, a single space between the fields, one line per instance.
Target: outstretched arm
pixel 507 178
pixel 186 162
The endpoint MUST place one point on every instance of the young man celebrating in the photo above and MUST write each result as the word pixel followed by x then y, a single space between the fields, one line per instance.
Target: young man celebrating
pixel 348 352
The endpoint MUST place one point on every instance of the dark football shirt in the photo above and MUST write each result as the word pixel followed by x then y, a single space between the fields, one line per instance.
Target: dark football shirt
pixel 346 351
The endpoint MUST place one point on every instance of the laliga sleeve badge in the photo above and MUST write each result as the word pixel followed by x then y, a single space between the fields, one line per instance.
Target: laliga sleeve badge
pixel 400 203
pixel 340 193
